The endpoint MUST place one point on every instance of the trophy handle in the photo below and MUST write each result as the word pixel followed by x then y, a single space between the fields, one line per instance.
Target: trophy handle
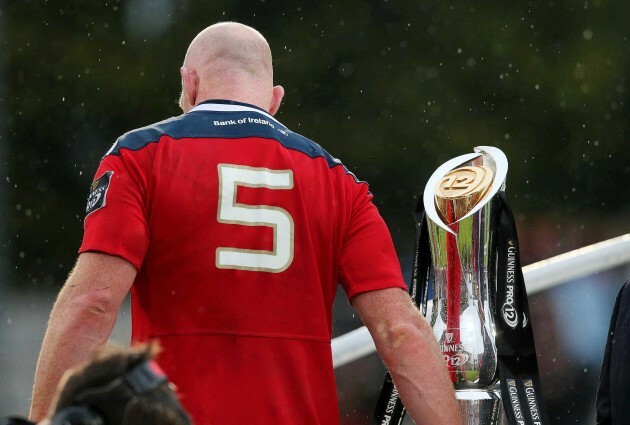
pixel 422 265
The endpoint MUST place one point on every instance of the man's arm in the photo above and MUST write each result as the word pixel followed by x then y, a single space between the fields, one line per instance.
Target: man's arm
pixel 81 321
pixel 406 344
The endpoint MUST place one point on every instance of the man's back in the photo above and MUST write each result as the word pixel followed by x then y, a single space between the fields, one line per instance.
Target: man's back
pixel 231 233
pixel 240 230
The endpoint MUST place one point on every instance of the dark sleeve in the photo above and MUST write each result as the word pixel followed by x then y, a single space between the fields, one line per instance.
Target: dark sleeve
pixel 14 420
pixel 613 366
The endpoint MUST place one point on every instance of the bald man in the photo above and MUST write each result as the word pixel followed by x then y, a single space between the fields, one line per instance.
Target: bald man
pixel 232 234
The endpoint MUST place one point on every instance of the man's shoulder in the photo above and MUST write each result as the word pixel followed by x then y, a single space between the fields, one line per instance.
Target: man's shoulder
pixel 308 147
pixel 176 127
pixel 196 125
pixel 223 125
pixel 314 150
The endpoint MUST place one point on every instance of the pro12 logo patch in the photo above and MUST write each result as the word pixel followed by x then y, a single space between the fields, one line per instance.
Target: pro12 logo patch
pixel 98 193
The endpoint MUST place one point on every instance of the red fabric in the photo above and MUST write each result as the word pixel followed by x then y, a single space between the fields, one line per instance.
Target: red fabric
pixel 242 346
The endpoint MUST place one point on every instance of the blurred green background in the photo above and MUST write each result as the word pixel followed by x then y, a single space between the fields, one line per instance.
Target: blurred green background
pixel 392 88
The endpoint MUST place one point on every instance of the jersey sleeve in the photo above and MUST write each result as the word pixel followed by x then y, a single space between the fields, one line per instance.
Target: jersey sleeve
pixel 368 258
pixel 116 220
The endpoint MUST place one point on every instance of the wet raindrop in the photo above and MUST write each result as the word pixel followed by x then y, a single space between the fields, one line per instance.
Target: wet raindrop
pixel 346 69
pixel 587 34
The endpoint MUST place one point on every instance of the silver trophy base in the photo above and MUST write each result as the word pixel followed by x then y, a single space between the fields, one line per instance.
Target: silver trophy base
pixel 481 407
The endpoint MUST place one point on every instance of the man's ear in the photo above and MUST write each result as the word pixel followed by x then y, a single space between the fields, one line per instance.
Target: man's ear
pixel 276 99
pixel 190 81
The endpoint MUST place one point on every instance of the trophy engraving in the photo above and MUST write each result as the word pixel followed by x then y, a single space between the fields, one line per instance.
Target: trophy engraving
pixel 460 190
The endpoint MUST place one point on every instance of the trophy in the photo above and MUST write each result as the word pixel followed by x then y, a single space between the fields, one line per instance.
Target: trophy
pixel 460 218
pixel 467 282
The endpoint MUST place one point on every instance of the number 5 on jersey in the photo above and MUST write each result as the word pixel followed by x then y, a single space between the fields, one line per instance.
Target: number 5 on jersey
pixel 230 212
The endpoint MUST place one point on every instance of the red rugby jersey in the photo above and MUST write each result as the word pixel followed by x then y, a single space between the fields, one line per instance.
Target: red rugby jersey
pixel 240 230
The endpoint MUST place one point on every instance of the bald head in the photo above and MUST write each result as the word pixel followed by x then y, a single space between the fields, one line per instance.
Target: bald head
pixel 228 61
pixel 230 47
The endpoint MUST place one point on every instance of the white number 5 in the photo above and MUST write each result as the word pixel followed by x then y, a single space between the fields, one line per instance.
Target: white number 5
pixel 276 260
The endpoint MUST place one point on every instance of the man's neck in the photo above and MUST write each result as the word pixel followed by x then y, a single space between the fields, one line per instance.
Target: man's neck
pixel 251 97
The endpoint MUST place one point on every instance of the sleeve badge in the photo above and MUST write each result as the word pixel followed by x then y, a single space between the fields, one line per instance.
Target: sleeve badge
pixel 98 193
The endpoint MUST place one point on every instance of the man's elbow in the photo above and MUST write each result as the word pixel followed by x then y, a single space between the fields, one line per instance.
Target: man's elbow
pixel 401 339
pixel 100 303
